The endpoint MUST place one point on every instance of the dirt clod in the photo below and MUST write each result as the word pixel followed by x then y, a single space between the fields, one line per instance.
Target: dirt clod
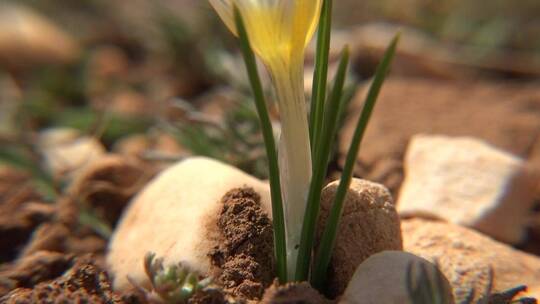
pixel 38 267
pixel 209 296
pixel 107 186
pixel 293 293
pixel 48 236
pixel 243 261
pixel 83 283
pixel 20 211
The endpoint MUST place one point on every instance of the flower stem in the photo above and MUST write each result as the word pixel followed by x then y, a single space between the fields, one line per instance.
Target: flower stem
pixel 294 152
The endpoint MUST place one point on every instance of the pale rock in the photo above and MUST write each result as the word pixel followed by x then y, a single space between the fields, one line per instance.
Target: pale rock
pixel 382 278
pixel 466 257
pixel 369 224
pixel 174 216
pixel 66 152
pixel 468 182
pixel 28 38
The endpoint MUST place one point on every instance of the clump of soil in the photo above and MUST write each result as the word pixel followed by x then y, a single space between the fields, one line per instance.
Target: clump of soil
pixel 40 241
pixel 107 185
pixel 209 296
pixel 243 261
pixel 84 282
pixel 293 293
pixel 20 212
pixel 33 269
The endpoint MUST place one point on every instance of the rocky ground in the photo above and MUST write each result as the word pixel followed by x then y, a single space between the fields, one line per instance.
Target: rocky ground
pixel 450 169
pixel 50 249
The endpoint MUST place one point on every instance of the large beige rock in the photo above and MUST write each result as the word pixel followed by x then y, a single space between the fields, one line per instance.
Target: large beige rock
pixel 468 182
pixel 383 279
pixel 369 224
pixel 66 152
pixel 174 216
pixel 466 256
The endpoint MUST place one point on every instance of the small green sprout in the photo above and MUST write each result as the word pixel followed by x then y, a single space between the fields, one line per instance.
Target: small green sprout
pixel 174 284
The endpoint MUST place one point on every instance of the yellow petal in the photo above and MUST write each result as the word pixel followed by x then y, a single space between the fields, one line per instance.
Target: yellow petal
pixel 279 30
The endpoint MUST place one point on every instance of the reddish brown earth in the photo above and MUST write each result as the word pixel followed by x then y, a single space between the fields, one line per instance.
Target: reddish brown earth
pixel 244 259
pixel 77 280
pixel 504 114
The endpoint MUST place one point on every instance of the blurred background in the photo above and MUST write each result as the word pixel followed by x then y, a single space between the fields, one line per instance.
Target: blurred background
pixel 162 79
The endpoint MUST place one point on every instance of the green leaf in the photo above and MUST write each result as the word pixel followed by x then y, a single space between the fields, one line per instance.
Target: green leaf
pixel 320 76
pixel 112 126
pixel 326 246
pixel 319 172
pixel 268 135
pixel 18 158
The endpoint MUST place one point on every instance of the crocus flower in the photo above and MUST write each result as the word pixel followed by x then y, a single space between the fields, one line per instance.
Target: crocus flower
pixel 279 31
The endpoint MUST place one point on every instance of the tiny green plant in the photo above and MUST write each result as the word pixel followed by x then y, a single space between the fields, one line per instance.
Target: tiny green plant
pixel 235 139
pixel 174 284
pixel 278 32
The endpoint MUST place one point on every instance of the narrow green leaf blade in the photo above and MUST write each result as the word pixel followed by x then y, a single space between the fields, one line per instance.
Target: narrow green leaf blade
pixel 268 135
pixel 320 169
pixel 320 76
pixel 326 246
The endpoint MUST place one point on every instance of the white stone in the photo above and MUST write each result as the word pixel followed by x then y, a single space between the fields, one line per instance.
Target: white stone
pixel 467 182
pixel 382 278
pixel 174 216
pixel 66 152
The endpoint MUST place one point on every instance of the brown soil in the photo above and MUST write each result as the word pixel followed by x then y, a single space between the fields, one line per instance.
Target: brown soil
pixel 293 293
pixel 84 282
pixel 38 267
pixel 44 245
pixel 108 185
pixel 209 296
pixel 20 212
pixel 243 260
pixel 504 114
